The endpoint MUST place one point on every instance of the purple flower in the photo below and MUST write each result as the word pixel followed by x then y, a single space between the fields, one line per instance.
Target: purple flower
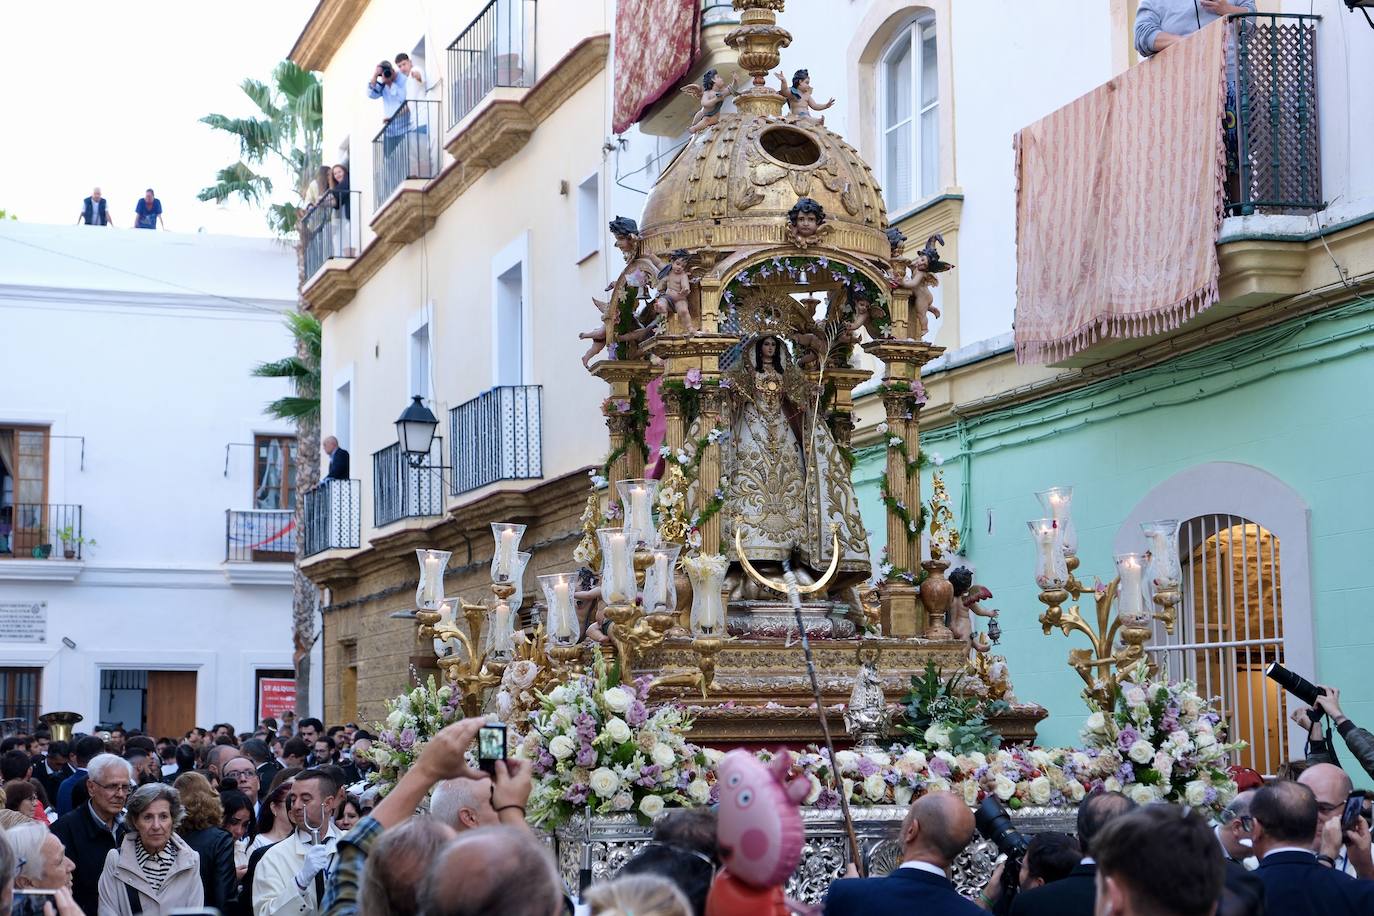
pixel 892 777
pixel 866 767
pixel 1209 795
pixel 828 798
pixel 726 383
pixel 1126 773
pixel 918 391
pixel 642 685
pixel 636 715
pixel 407 739
pixel 586 756
pixel 693 378
pixel 939 767
pixel 576 794
pixel 1126 738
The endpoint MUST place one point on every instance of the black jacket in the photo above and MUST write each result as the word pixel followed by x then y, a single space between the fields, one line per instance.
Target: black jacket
pixel 1295 884
pixel 338 465
pixel 1243 892
pixel 905 890
pixel 51 781
pixel 216 848
pixel 87 844
pixel 1074 895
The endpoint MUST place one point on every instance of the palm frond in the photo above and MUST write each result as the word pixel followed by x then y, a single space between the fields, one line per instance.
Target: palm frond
pixel 262 96
pixel 237 180
pixel 287 367
pixel 295 408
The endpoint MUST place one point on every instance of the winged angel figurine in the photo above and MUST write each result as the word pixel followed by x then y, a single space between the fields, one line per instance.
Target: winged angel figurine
pixel 712 94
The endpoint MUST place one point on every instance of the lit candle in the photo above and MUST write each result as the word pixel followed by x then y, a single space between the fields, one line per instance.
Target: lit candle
pixel 1132 599
pixel 505 556
pixel 708 613
pixel 433 581
pixel 656 586
pixel 1045 536
pixel 563 614
pixel 639 517
pixel 619 559
pixel 500 629
pixel 1159 555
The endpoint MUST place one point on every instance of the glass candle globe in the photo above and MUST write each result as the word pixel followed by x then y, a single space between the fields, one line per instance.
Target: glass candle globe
pixel 562 628
pixel 1161 537
pixel 507 537
pixel 618 564
pixel 660 587
pixel 637 500
pixel 429 594
pixel 707 575
pixel 1058 503
pixel 1051 569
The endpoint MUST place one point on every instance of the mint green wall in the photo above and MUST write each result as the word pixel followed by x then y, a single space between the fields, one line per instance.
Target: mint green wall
pixel 1296 401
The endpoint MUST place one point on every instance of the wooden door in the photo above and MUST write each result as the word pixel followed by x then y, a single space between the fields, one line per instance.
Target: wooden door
pixel 171 703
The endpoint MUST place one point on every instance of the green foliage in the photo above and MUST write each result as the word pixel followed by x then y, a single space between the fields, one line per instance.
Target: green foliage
pixel 287 131
pixel 5 214
pixel 933 701
pixel 301 369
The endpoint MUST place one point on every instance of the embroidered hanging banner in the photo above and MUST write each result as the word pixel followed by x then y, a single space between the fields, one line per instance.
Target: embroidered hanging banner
pixel 655 44
pixel 1119 203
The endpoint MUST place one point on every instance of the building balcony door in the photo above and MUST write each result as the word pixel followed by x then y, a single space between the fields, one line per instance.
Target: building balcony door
pixel 171 703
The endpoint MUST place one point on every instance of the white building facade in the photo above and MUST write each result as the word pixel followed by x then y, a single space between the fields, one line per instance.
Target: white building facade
pixel 145 524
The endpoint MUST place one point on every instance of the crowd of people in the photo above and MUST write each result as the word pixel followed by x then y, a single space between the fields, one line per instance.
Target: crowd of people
pixel 282 821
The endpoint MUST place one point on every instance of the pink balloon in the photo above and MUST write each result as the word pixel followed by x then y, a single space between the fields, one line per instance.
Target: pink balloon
pixel 760 827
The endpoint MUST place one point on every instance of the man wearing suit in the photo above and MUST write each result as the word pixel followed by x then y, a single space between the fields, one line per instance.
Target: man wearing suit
pixel 1244 891
pixel 1076 895
pixel 338 459
pixel 937 828
pixel 1160 860
pixel 1295 883
pixel 54 768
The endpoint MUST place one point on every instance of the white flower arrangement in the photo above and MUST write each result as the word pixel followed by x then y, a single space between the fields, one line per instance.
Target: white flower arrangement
pixel 412 719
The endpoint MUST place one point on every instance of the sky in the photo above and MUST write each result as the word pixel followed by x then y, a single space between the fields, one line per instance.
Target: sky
pixel 115 93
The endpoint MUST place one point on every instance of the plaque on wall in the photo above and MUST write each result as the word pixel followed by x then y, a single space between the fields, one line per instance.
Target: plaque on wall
pixel 23 621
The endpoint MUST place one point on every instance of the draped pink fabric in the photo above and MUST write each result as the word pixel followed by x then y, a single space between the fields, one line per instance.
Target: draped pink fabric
pixel 1119 203
pixel 655 44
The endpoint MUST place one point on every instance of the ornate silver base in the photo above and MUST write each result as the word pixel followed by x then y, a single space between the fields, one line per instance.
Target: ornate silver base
pixel 616 839
pixel 774 620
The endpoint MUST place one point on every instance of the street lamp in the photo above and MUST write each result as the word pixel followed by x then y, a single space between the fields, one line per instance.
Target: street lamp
pixel 415 431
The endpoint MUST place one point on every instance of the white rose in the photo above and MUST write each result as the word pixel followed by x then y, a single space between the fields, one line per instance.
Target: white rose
pixel 1142 751
pixel 1191 706
pixel 1040 758
pixel 562 747
pixel 698 791
pixel 875 787
pixel 618 730
pixel 558 695
pixel 1076 791
pixel 1206 740
pixel 970 792
pixel 663 755
pixel 623 801
pixel 395 719
pixel 901 794
pixel 1135 696
pixel 1081 761
pixel 651 806
pixel 848 785
pixel 937 784
pixel 562 716
pixel 881 758
pixel 846 760
pixel 1111 784
pixel 714 756
pixel 1040 789
pixel 1164 764
pixel 814 792
pixel 937 735
pixel 1141 794
pixel 617 699
pixel 1097 724
pixel 604 782
pixel 1004 788
pixel 1195 792
pixel 915 759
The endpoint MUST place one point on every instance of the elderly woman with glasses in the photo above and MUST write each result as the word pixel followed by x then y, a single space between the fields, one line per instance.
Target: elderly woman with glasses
pixel 153 871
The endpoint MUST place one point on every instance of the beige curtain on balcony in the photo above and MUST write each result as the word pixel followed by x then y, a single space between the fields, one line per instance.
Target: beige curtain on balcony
pixel 655 44
pixel 1119 202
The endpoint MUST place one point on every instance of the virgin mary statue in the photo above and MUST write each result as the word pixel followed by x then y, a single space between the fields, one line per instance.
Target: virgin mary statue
pixel 786 480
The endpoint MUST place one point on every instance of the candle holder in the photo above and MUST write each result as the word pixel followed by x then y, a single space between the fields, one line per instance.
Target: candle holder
pixel 1130 594
pixel 429 594
pixel 462 665
pixel 618 586
pixel 503 559
pixel 706 573
pixel 1165 573
pixel 561 624
pixel 637 500
pixel 659 593
pixel 1058 505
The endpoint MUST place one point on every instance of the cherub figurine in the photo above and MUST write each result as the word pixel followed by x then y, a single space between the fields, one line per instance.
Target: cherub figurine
pixel 866 316
pixel 676 294
pixel 896 238
pixel 712 94
pixel 915 277
pixel 799 99
pixel 967 596
pixel 806 223
pixel 597 335
pixel 638 267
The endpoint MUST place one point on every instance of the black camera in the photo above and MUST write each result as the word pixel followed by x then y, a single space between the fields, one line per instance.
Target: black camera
pixel 1295 684
pixel 386 69
pixel 994 823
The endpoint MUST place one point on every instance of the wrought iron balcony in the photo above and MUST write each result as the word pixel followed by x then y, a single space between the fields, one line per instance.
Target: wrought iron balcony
pixel 1275 93
pixel 259 535
pixel 402 490
pixel 496 436
pixel 333 516
pixel 39 531
pixel 496 49
pixel 332 229
pixel 406 147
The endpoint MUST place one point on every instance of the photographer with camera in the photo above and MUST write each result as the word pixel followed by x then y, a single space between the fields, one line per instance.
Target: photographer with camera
pixel 1047 858
pixel 1076 894
pixel 389 85
pixel 1324 703
pixel 1359 740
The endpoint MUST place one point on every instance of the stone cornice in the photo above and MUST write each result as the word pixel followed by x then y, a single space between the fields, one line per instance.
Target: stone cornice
pixel 486 138
pixel 325 32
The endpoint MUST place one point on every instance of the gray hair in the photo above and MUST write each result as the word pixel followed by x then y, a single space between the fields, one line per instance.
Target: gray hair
pixel 26 844
pixel 141 800
pixel 101 763
pixel 453 795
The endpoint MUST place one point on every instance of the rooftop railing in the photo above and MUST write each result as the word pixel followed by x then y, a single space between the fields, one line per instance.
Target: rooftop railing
pixel 331 229
pixel 406 147
pixel 496 49
pixel 496 436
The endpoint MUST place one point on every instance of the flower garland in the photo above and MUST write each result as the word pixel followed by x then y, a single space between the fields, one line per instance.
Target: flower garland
pixel 688 459
pixel 804 270
pixel 412 719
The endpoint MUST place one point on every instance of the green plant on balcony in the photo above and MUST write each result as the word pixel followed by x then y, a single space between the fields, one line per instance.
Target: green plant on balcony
pixel 71 540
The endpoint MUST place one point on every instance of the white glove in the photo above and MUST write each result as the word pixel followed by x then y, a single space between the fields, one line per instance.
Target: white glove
pixel 316 859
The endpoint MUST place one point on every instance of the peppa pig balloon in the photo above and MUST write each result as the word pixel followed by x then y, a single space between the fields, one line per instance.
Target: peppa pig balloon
pixel 759 832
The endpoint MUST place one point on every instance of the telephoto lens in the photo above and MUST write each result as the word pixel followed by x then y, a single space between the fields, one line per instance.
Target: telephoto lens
pixel 1295 684
pixel 994 823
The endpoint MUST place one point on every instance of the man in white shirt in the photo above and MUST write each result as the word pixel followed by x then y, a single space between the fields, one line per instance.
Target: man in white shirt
pixel 290 878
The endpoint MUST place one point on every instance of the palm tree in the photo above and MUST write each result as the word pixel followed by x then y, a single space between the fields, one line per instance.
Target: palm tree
pixel 286 133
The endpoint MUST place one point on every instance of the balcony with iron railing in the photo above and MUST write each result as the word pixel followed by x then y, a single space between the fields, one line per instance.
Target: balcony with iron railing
pixel 496 436
pixel 41 531
pixel 402 489
pixel 406 148
pixel 495 50
pixel 333 516
pixel 259 535
pixel 331 229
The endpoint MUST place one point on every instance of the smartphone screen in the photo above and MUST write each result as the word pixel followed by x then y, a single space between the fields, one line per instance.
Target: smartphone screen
pixel 491 747
pixel 1354 806
pixel 30 902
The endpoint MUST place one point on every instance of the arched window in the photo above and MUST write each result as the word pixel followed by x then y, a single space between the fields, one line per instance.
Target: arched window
pixel 1246 598
pixel 909 129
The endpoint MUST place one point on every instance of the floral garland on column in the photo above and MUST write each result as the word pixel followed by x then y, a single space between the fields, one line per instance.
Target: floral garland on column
pixel 914 395
pixel 636 409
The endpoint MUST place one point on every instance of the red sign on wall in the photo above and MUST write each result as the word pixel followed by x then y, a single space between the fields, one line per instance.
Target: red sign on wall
pixel 276 695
